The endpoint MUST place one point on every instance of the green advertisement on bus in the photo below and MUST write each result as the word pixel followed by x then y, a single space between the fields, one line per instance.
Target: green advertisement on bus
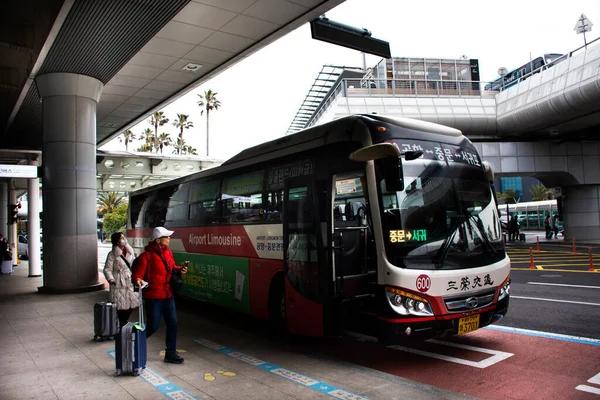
pixel 217 279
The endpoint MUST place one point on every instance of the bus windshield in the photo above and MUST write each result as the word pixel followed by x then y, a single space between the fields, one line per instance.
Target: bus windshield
pixel 446 216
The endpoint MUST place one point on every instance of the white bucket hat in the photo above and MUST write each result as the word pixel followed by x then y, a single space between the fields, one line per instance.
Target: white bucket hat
pixel 159 232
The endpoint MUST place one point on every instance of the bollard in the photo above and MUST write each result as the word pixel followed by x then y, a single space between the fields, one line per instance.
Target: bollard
pixel 574 250
pixel 531 265
pixel 538 243
pixel 591 260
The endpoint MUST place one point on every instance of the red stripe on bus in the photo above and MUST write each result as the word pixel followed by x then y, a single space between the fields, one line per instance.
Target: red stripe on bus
pixel 260 276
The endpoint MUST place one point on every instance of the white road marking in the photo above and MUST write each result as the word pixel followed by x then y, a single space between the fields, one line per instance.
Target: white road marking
pixel 589 389
pixel 555 300
pixel 564 285
pixel 595 379
pixel 497 356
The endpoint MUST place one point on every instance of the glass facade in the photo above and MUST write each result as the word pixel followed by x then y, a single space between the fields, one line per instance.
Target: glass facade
pixel 515 183
pixel 426 76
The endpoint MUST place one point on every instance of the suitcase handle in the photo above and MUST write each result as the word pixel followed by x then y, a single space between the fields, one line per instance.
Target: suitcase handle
pixel 141 307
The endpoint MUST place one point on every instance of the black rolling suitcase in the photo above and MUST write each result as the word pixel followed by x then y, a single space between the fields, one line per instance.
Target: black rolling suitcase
pixel 106 322
pixel 130 345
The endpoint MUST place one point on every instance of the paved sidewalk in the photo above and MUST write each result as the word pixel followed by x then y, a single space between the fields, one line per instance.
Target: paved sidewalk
pixel 48 353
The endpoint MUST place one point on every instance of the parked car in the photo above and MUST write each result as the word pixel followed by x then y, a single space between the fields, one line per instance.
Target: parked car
pixel 22 248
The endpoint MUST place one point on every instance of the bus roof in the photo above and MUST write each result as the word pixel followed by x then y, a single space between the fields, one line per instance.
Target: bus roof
pixel 320 135
pixel 315 137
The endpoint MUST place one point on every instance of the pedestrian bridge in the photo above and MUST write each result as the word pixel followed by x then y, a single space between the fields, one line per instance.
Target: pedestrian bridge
pixel 561 101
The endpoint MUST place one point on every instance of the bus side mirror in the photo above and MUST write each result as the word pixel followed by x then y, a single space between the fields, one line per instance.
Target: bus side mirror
pixel 391 170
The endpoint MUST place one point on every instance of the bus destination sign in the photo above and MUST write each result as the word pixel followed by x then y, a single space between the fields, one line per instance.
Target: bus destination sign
pixel 403 236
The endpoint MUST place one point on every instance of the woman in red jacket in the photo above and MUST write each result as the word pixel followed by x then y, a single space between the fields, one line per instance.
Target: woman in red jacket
pixel 155 266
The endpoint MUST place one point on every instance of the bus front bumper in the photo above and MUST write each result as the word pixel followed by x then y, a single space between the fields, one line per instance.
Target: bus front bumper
pixel 397 331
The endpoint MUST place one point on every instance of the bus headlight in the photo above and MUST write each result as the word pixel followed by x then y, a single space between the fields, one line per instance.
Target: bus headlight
pixel 505 289
pixel 405 303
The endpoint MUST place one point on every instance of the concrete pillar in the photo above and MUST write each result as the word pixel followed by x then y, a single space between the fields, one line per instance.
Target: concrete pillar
pixel 33 226
pixel 69 182
pixel 3 209
pixel 581 208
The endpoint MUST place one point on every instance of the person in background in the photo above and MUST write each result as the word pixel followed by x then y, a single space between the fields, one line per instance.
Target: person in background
pixel 117 271
pixel 5 253
pixel 547 228
pixel 552 222
pixel 512 228
pixel 155 266
pixel 555 224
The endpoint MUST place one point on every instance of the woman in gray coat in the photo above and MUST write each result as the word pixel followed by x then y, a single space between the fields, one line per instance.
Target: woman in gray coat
pixel 117 271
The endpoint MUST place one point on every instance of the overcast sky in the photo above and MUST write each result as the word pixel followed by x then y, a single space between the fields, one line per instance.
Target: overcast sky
pixel 261 94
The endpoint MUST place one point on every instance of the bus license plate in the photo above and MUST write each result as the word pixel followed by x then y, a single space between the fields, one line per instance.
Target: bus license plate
pixel 468 324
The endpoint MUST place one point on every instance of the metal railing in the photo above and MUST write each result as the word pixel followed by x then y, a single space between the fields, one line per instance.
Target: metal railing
pixel 410 87
pixel 396 88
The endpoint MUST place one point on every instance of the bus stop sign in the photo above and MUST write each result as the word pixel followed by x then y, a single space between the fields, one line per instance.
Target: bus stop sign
pixel 344 35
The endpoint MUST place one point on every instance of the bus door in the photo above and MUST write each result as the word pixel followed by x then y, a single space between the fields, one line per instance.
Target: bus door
pixel 303 289
pixel 350 237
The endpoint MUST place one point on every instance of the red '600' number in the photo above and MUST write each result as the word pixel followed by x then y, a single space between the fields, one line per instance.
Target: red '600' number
pixel 423 283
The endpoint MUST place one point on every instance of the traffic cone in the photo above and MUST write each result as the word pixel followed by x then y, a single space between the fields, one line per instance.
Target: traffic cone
pixel 531 264
pixel 591 260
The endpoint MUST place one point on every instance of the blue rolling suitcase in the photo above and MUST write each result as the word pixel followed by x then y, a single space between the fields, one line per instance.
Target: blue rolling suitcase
pixel 130 345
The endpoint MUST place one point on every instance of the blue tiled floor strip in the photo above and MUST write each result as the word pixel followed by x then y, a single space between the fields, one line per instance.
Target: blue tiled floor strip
pixel 557 336
pixel 314 384
pixel 167 388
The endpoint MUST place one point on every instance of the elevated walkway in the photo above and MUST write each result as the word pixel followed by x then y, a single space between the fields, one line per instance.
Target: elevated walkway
pixel 48 353
pixel 557 99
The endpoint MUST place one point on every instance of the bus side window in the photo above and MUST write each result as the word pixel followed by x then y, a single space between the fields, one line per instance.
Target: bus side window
pixel 198 214
pixel 202 201
pixel 242 198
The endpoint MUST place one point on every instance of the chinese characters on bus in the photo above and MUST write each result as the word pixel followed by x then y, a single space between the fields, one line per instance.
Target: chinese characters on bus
pixel 466 284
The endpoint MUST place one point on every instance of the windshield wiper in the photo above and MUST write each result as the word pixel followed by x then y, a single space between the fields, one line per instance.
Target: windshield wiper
pixel 488 245
pixel 439 257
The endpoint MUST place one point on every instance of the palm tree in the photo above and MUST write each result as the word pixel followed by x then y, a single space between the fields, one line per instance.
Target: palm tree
pixel 540 192
pixel 179 146
pixel 510 196
pixel 209 102
pixel 109 201
pixel 164 139
pixel 145 148
pixel 189 150
pixel 128 137
pixel 181 122
pixel 150 140
pixel 158 119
